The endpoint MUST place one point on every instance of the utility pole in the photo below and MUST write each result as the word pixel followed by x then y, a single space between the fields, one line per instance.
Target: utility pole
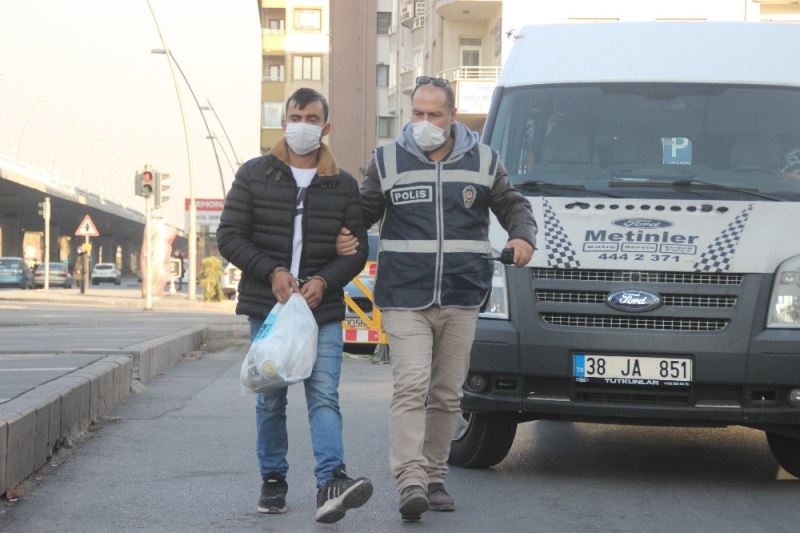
pixel 44 211
pixel 144 185
pixel 146 278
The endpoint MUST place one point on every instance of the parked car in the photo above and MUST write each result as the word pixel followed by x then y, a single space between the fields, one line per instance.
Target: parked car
pixel 15 273
pixel 229 281
pixel 106 272
pixel 59 276
pixel 356 334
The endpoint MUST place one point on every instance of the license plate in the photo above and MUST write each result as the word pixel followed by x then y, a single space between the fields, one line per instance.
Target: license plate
pixel 632 370
pixel 355 323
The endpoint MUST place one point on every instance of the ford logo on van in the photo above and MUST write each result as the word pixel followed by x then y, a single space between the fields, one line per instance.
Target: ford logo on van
pixel 642 223
pixel 633 301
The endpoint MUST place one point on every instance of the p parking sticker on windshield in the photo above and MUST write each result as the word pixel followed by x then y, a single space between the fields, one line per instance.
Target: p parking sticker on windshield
pixel 676 151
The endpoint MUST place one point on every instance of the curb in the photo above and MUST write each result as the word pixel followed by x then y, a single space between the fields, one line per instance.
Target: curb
pixel 38 422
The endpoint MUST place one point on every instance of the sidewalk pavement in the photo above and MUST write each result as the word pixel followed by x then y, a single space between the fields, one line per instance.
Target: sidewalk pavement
pixel 36 422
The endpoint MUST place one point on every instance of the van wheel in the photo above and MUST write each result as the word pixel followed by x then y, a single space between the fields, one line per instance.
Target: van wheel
pixel 786 451
pixel 482 439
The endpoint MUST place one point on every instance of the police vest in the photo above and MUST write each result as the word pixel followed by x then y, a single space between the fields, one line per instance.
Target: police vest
pixel 435 229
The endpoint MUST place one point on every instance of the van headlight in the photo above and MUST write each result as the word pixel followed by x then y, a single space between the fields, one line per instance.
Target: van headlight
pixel 784 306
pixel 497 303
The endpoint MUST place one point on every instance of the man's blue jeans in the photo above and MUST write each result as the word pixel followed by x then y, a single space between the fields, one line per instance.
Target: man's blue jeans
pixel 324 417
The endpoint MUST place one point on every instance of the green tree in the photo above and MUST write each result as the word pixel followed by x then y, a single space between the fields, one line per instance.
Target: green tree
pixel 210 279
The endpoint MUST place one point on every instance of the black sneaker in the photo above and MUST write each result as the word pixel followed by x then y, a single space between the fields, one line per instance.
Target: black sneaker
pixel 273 495
pixel 340 494
pixel 413 502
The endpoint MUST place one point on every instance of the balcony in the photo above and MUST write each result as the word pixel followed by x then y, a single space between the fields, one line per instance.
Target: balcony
pixel 468 10
pixel 408 77
pixel 273 41
pixel 473 87
pixel 484 73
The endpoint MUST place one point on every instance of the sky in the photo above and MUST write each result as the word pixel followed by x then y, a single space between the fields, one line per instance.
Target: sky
pixel 81 94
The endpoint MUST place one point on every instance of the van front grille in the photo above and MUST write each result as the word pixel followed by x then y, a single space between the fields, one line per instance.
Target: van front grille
pixel 638 276
pixel 669 300
pixel 643 397
pixel 638 322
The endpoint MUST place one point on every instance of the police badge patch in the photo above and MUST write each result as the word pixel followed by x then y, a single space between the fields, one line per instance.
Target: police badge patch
pixel 469 194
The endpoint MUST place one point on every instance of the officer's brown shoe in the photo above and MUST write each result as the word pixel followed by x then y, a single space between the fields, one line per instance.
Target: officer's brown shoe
pixel 413 502
pixel 439 499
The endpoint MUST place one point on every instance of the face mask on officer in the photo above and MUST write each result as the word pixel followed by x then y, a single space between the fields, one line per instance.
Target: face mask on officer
pixel 429 136
pixel 303 138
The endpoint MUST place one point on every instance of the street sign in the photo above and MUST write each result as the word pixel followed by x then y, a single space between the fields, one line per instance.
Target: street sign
pixel 208 212
pixel 87 228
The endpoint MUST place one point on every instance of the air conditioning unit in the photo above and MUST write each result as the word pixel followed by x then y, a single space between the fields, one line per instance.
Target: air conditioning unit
pixel 406 11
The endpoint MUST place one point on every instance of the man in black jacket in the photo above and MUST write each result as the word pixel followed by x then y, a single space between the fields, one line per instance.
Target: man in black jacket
pixel 279 227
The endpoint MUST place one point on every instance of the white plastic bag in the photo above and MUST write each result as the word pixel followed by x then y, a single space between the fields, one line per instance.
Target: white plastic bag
pixel 284 349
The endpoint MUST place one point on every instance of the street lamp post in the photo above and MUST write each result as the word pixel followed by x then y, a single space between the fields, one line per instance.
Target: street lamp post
pixel 225 132
pixel 192 281
pixel 210 137
pixel 18 148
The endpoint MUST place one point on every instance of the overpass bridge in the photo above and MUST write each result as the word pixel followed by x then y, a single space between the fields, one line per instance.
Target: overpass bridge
pixel 22 228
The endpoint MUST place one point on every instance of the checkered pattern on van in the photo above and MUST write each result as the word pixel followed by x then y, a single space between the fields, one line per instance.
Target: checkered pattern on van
pixel 718 255
pixel 560 253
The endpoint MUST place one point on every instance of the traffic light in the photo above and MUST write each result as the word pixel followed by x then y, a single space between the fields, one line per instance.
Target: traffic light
pixel 144 184
pixel 44 208
pixel 160 187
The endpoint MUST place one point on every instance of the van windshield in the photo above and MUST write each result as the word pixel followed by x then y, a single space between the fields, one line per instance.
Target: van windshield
pixel 640 139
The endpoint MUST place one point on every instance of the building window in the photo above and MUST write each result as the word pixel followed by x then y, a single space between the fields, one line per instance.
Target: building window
pixel 385 127
pixel 308 19
pixel 272 114
pixel 470 51
pixel 383 75
pixel 272 19
pixel 307 68
pixel 273 68
pixel 384 21
pixel 275 73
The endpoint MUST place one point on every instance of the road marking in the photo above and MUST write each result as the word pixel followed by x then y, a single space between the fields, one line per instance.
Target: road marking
pixel 51 369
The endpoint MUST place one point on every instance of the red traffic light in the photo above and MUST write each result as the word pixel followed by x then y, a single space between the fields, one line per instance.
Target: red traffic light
pixel 147 176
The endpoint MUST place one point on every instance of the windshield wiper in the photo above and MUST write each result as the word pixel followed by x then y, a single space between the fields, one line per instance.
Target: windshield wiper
pixel 538 185
pixel 692 183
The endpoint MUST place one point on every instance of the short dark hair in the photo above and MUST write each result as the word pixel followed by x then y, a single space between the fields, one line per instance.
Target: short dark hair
pixel 304 96
pixel 439 83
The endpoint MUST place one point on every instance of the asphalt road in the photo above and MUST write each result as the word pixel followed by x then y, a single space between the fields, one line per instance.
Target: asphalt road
pixel 181 458
pixel 42 341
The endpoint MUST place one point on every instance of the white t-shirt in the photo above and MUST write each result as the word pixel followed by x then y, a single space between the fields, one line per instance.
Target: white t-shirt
pixel 303 177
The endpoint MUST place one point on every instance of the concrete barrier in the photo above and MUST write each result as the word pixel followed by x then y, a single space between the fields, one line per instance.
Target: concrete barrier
pixel 153 358
pixel 38 422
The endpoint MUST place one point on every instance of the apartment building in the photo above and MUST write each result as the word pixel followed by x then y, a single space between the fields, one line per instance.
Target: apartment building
pixel 295 48
pixel 466 41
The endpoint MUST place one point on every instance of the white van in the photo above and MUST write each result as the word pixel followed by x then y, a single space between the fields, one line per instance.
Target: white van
pixel 661 163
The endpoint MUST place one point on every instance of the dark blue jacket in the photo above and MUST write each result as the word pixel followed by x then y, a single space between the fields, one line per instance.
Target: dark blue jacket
pixel 435 226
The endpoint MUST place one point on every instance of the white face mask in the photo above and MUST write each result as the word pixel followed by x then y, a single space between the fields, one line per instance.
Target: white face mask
pixel 428 136
pixel 303 138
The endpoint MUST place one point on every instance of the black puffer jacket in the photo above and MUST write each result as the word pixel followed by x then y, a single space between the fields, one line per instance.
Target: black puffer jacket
pixel 257 226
